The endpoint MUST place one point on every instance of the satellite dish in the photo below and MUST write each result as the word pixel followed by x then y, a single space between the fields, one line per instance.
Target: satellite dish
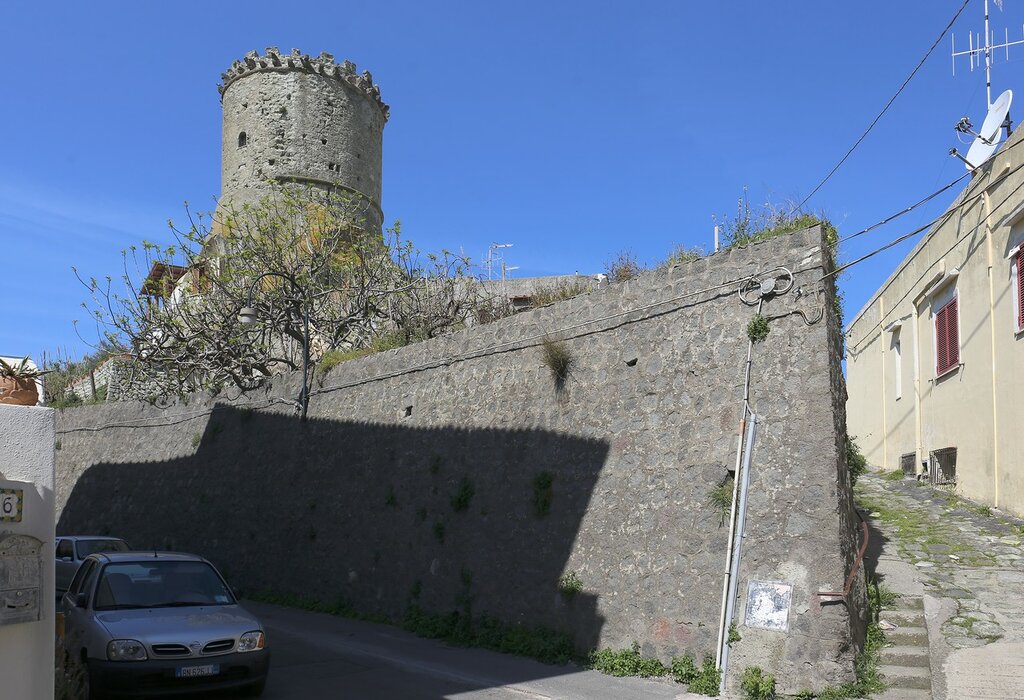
pixel 996 116
pixel 979 152
pixel 987 140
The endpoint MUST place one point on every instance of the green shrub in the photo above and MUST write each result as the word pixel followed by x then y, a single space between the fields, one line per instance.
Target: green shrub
pixel 567 289
pixel 894 475
pixel 721 498
pixel 757 329
pixel 734 634
pixel 463 495
pixel 569 584
pixel 558 359
pixel 543 492
pixel 332 358
pixel 756 685
pixel 856 462
pixel 683 669
pixel 623 267
pixel 626 662
pixel 707 680
pixel 681 254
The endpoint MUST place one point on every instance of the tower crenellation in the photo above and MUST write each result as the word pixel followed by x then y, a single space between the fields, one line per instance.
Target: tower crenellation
pixel 298 119
pixel 324 64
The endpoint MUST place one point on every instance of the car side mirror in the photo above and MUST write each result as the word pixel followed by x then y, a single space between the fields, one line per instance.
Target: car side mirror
pixel 81 600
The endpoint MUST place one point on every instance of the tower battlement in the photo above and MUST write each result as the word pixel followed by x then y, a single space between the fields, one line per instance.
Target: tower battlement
pixel 324 64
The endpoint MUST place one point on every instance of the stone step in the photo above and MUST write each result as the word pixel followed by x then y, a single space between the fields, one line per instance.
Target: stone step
pixel 906 676
pixel 908 636
pixel 906 602
pixel 905 656
pixel 904 694
pixel 903 618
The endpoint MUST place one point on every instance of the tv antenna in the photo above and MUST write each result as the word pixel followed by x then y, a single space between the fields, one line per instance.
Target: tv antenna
pixel 987 139
pixel 975 50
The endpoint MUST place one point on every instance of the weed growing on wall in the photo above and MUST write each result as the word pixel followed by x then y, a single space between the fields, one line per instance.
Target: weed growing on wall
pixel 463 495
pixel 439 530
pixel 681 254
pixel 543 492
pixel 196 439
pixel 756 685
pixel 683 669
pixel 558 359
pixel 391 500
pixel 721 498
pixel 757 329
pixel 707 680
pixel 459 627
pixel 856 462
pixel 549 294
pixel 623 267
pixel 626 662
pixel 569 584
pixel 734 634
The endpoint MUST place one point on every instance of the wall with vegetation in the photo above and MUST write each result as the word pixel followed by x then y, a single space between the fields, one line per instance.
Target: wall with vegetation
pixel 553 469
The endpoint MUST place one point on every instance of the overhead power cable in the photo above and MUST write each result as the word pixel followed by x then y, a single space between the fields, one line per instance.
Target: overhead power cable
pixel 884 109
pixel 909 209
pixel 949 212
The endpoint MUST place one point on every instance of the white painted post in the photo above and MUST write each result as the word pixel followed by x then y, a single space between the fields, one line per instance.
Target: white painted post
pixel 27 435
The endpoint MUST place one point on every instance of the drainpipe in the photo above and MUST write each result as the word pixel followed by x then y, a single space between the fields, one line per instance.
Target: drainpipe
pixel 723 623
pixel 885 395
pixel 723 648
pixel 992 342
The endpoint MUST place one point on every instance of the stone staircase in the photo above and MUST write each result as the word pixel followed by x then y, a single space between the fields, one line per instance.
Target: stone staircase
pixel 905 664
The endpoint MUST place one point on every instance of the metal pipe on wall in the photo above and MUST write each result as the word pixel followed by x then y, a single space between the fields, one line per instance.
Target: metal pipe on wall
pixel 741 518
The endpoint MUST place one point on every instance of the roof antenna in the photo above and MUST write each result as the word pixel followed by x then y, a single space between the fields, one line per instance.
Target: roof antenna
pixel 975 49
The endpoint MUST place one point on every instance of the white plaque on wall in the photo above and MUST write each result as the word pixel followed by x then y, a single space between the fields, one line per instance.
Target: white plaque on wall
pixel 768 605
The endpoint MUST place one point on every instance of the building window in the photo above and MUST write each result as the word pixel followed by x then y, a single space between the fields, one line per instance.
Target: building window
pixel 242 139
pixel 897 363
pixel 947 337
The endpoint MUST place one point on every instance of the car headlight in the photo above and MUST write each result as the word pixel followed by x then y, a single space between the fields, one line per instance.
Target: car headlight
pixel 251 641
pixel 126 650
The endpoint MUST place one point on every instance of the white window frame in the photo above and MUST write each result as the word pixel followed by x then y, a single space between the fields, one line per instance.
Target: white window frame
pixel 896 345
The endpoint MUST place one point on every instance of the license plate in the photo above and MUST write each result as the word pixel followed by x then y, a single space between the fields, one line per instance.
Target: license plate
pixel 197 671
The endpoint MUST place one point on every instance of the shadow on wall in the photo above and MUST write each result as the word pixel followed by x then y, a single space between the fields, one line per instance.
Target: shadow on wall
pixel 371 516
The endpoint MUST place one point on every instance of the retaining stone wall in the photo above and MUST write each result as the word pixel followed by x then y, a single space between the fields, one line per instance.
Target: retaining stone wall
pixel 369 496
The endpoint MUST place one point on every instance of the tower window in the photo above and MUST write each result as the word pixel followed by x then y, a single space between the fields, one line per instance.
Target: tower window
pixel 242 139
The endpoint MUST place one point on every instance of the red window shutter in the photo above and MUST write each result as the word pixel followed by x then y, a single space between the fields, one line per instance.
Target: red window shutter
pixel 947 337
pixel 1020 287
pixel 941 342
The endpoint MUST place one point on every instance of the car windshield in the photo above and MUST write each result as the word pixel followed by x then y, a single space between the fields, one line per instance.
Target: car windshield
pixel 87 547
pixel 160 584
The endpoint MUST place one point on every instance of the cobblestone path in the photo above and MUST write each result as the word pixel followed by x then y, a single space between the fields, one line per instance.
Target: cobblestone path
pixel 971 564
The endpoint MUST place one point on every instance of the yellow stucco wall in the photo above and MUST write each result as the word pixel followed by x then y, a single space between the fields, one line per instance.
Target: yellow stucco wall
pixel 972 408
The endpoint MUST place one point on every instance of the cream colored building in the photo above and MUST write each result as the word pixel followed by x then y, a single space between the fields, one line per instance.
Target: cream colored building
pixel 935 360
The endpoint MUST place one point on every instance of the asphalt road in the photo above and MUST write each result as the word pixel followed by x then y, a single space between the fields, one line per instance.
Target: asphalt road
pixel 321 656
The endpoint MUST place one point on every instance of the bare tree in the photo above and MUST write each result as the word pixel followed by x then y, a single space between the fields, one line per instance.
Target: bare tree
pixel 298 252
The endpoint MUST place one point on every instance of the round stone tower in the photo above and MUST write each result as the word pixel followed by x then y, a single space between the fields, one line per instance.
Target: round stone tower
pixel 293 119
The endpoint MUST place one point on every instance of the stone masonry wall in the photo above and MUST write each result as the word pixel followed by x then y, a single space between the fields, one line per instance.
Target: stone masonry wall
pixel 429 468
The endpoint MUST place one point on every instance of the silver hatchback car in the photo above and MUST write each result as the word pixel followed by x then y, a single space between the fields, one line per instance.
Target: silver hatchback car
pixel 159 623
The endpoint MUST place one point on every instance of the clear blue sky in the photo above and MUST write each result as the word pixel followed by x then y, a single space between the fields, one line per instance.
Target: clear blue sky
pixel 571 129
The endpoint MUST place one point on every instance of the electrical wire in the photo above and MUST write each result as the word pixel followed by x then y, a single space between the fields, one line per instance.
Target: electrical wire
pixel 884 109
pixel 909 209
pixel 949 212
